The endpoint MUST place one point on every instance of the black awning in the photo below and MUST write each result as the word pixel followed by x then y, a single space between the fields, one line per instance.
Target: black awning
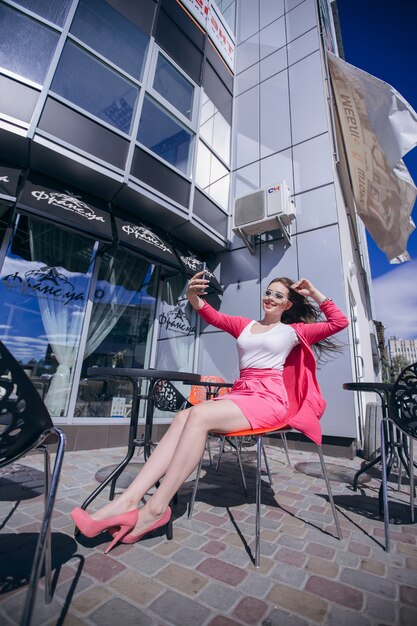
pixel 146 241
pixel 61 204
pixel 192 264
pixel 9 178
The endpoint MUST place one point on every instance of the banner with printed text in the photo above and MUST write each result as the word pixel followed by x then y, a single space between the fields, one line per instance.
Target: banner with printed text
pixel 378 128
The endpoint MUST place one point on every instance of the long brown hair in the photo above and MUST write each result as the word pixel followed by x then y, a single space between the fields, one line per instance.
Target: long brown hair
pixel 303 311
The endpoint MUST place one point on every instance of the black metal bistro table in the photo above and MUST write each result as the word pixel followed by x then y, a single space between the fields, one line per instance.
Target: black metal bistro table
pixel 136 376
pixel 394 447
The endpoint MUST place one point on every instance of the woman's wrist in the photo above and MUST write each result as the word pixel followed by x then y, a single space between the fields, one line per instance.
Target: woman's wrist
pixel 318 297
pixel 196 302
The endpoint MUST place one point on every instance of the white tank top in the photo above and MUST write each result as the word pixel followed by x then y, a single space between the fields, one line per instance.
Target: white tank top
pixel 267 350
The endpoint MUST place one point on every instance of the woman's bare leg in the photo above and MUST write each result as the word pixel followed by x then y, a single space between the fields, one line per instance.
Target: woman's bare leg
pixel 153 470
pixel 222 417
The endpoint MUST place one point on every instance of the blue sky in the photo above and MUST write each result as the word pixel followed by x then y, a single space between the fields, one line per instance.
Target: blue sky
pixel 379 37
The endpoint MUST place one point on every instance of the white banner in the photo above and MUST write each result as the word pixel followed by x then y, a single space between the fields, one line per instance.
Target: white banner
pixel 378 128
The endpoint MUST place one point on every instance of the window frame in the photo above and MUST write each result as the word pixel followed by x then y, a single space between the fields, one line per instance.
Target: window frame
pixel 100 60
pixel 192 121
pixel 192 155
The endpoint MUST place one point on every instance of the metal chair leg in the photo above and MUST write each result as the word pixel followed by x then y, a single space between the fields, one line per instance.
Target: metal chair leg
pixel 268 471
pixel 385 485
pixel 258 503
pixel 220 453
pixel 193 495
pixel 411 481
pixel 41 544
pixel 285 444
pixel 208 446
pixel 329 491
pixel 242 474
pixel 47 557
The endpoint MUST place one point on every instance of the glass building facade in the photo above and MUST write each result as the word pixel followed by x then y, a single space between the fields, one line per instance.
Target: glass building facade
pixel 127 131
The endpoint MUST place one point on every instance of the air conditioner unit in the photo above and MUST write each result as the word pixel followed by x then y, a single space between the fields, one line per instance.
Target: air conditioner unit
pixel 264 210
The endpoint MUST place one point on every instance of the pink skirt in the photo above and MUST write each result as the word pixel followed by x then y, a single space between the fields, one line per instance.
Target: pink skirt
pixel 261 396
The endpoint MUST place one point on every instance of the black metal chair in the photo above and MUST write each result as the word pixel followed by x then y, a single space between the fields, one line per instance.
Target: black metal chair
pixel 402 415
pixel 166 397
pixel 25 425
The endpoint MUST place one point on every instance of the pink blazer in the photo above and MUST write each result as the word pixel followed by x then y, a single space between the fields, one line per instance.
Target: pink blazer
pixel 306 403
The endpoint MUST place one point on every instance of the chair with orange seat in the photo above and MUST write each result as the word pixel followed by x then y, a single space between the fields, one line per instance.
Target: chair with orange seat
pixel 201 392
pixel 259 433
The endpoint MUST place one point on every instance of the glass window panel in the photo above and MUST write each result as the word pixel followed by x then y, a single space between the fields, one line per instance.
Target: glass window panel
pixel 113 35
pixel 165 136
pixel 217 169
pixel 207 108
pixel 53 10
pixel 94 87
pixel 5 211
pixel 28 54
pixel 221 137
pixel 219 191
pixel 207 129
pixel 173 86
pixel 228 10
pixel 215 129
pixel 176 331
pixel 202 175
pixel 212 175
pixel 120 332
pixel 44 285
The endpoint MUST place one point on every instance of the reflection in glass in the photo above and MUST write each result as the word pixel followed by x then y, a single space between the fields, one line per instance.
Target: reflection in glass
pixel 5 211
pixel 54 10
pixel 212 176
pixel 219 191
pixel 173 86
pixel 228 10
pixel 112 34
pixel 94 87
pixel 165 136
pixel 44 286
pixel 215 129
pixel 176 331
pixel 202 174
pixel 119 333
pixel 26 47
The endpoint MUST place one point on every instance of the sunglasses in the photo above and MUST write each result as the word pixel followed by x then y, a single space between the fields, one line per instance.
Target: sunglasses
pixel 277 295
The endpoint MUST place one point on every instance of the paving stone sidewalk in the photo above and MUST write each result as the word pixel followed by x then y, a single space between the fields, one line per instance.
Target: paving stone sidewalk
pixel 205 575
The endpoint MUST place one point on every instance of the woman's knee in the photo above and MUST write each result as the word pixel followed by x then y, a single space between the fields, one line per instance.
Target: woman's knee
pixel 181 417
pixel 199 417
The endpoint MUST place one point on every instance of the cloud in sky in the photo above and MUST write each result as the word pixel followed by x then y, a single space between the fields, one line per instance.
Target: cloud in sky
pixel 395 301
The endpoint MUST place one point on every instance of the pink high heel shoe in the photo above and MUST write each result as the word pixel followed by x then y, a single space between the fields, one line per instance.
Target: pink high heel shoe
pixel 120 525
pixel 164 520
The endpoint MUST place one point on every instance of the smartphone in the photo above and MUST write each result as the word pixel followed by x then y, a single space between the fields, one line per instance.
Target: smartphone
pixel 205 277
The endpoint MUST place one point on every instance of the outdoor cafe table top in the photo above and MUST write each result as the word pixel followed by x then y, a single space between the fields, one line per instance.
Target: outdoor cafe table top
pixel 139 373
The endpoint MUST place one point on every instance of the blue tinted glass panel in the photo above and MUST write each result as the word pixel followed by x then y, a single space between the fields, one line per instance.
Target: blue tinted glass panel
pixel 26 47
pixel 164 136
pixel 91 85
pixel 109 32
pixel 173 86
pixel 53 10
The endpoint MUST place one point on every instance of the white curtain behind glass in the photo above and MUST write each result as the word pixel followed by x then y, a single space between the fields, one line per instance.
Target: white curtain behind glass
pixel 120 278
pixel 62 318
